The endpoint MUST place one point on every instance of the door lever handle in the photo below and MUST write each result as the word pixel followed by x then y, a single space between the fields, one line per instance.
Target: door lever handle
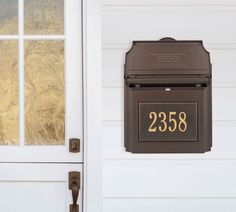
pixel 74 186
pixel 75 193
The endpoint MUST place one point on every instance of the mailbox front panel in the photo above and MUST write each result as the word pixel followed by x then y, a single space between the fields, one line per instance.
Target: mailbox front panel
pixel 175 121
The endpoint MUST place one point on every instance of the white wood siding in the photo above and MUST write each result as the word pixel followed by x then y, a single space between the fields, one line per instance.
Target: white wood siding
pixel 169 182
pixel 169 204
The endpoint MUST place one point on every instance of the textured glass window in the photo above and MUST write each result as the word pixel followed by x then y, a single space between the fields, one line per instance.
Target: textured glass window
pixel 8 17
pixel 44 17
pixel 32 92
pixel 44 92
pixel 9 93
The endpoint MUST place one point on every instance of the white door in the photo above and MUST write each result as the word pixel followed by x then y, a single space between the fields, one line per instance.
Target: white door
pixel 40 103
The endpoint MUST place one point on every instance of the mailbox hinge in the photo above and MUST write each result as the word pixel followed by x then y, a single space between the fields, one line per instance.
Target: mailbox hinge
pixel 130 76
pixel 205 76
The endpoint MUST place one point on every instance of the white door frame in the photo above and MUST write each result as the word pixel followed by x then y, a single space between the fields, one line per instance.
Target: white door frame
pixel 92 106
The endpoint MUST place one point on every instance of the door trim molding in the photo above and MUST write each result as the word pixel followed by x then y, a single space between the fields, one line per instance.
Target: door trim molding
pixel 92 106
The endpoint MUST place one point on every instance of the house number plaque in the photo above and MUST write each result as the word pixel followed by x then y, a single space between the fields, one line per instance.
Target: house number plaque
pixel 169 121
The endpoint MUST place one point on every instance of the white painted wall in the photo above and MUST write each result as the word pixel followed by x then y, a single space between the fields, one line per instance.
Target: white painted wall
pixel 169 182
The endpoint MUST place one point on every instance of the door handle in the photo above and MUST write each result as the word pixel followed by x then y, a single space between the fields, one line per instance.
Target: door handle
pixel 74 186
pixel 75 194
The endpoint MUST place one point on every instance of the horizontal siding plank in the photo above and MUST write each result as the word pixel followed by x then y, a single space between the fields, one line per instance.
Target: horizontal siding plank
pixel 224 145
pixel 169 204
pixel 209 45
pixel 169 179
pixel 121 24
pixel 223 104
pixel 166 2
pixel 219 84
pixel 223 65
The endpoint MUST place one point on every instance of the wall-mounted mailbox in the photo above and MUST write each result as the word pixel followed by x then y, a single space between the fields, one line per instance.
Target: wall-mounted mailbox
pixel 168 101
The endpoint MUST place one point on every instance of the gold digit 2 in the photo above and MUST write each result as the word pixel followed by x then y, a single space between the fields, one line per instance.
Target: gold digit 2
pixel 153 116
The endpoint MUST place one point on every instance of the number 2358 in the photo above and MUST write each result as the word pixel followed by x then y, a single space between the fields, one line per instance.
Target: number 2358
pixel 168 121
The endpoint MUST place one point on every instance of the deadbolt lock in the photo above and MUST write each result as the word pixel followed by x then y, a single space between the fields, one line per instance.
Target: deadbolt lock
pixel 74 145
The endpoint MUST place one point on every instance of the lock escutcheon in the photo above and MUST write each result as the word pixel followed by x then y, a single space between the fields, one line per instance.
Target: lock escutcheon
pixel 74 145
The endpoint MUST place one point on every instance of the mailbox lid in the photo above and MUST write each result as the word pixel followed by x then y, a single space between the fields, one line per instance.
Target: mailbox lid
pixel 167 57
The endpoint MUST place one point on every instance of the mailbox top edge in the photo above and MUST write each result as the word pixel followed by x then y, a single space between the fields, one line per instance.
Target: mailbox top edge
pixel 168 56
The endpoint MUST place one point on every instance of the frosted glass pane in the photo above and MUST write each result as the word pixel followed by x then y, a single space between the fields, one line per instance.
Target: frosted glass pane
pixel 44 17
pixel 9 93
pixel 44 92
pixel 8 17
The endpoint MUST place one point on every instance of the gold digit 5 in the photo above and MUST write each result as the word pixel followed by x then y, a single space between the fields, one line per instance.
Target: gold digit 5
pixel 182 123
pixel 153 116
pixel 162 116
pixel 171 119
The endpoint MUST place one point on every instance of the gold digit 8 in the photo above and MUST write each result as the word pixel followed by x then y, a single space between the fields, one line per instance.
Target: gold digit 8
pixel 182 123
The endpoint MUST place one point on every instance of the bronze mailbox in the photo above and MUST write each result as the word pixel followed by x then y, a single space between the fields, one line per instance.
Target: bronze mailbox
pixel 167 97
